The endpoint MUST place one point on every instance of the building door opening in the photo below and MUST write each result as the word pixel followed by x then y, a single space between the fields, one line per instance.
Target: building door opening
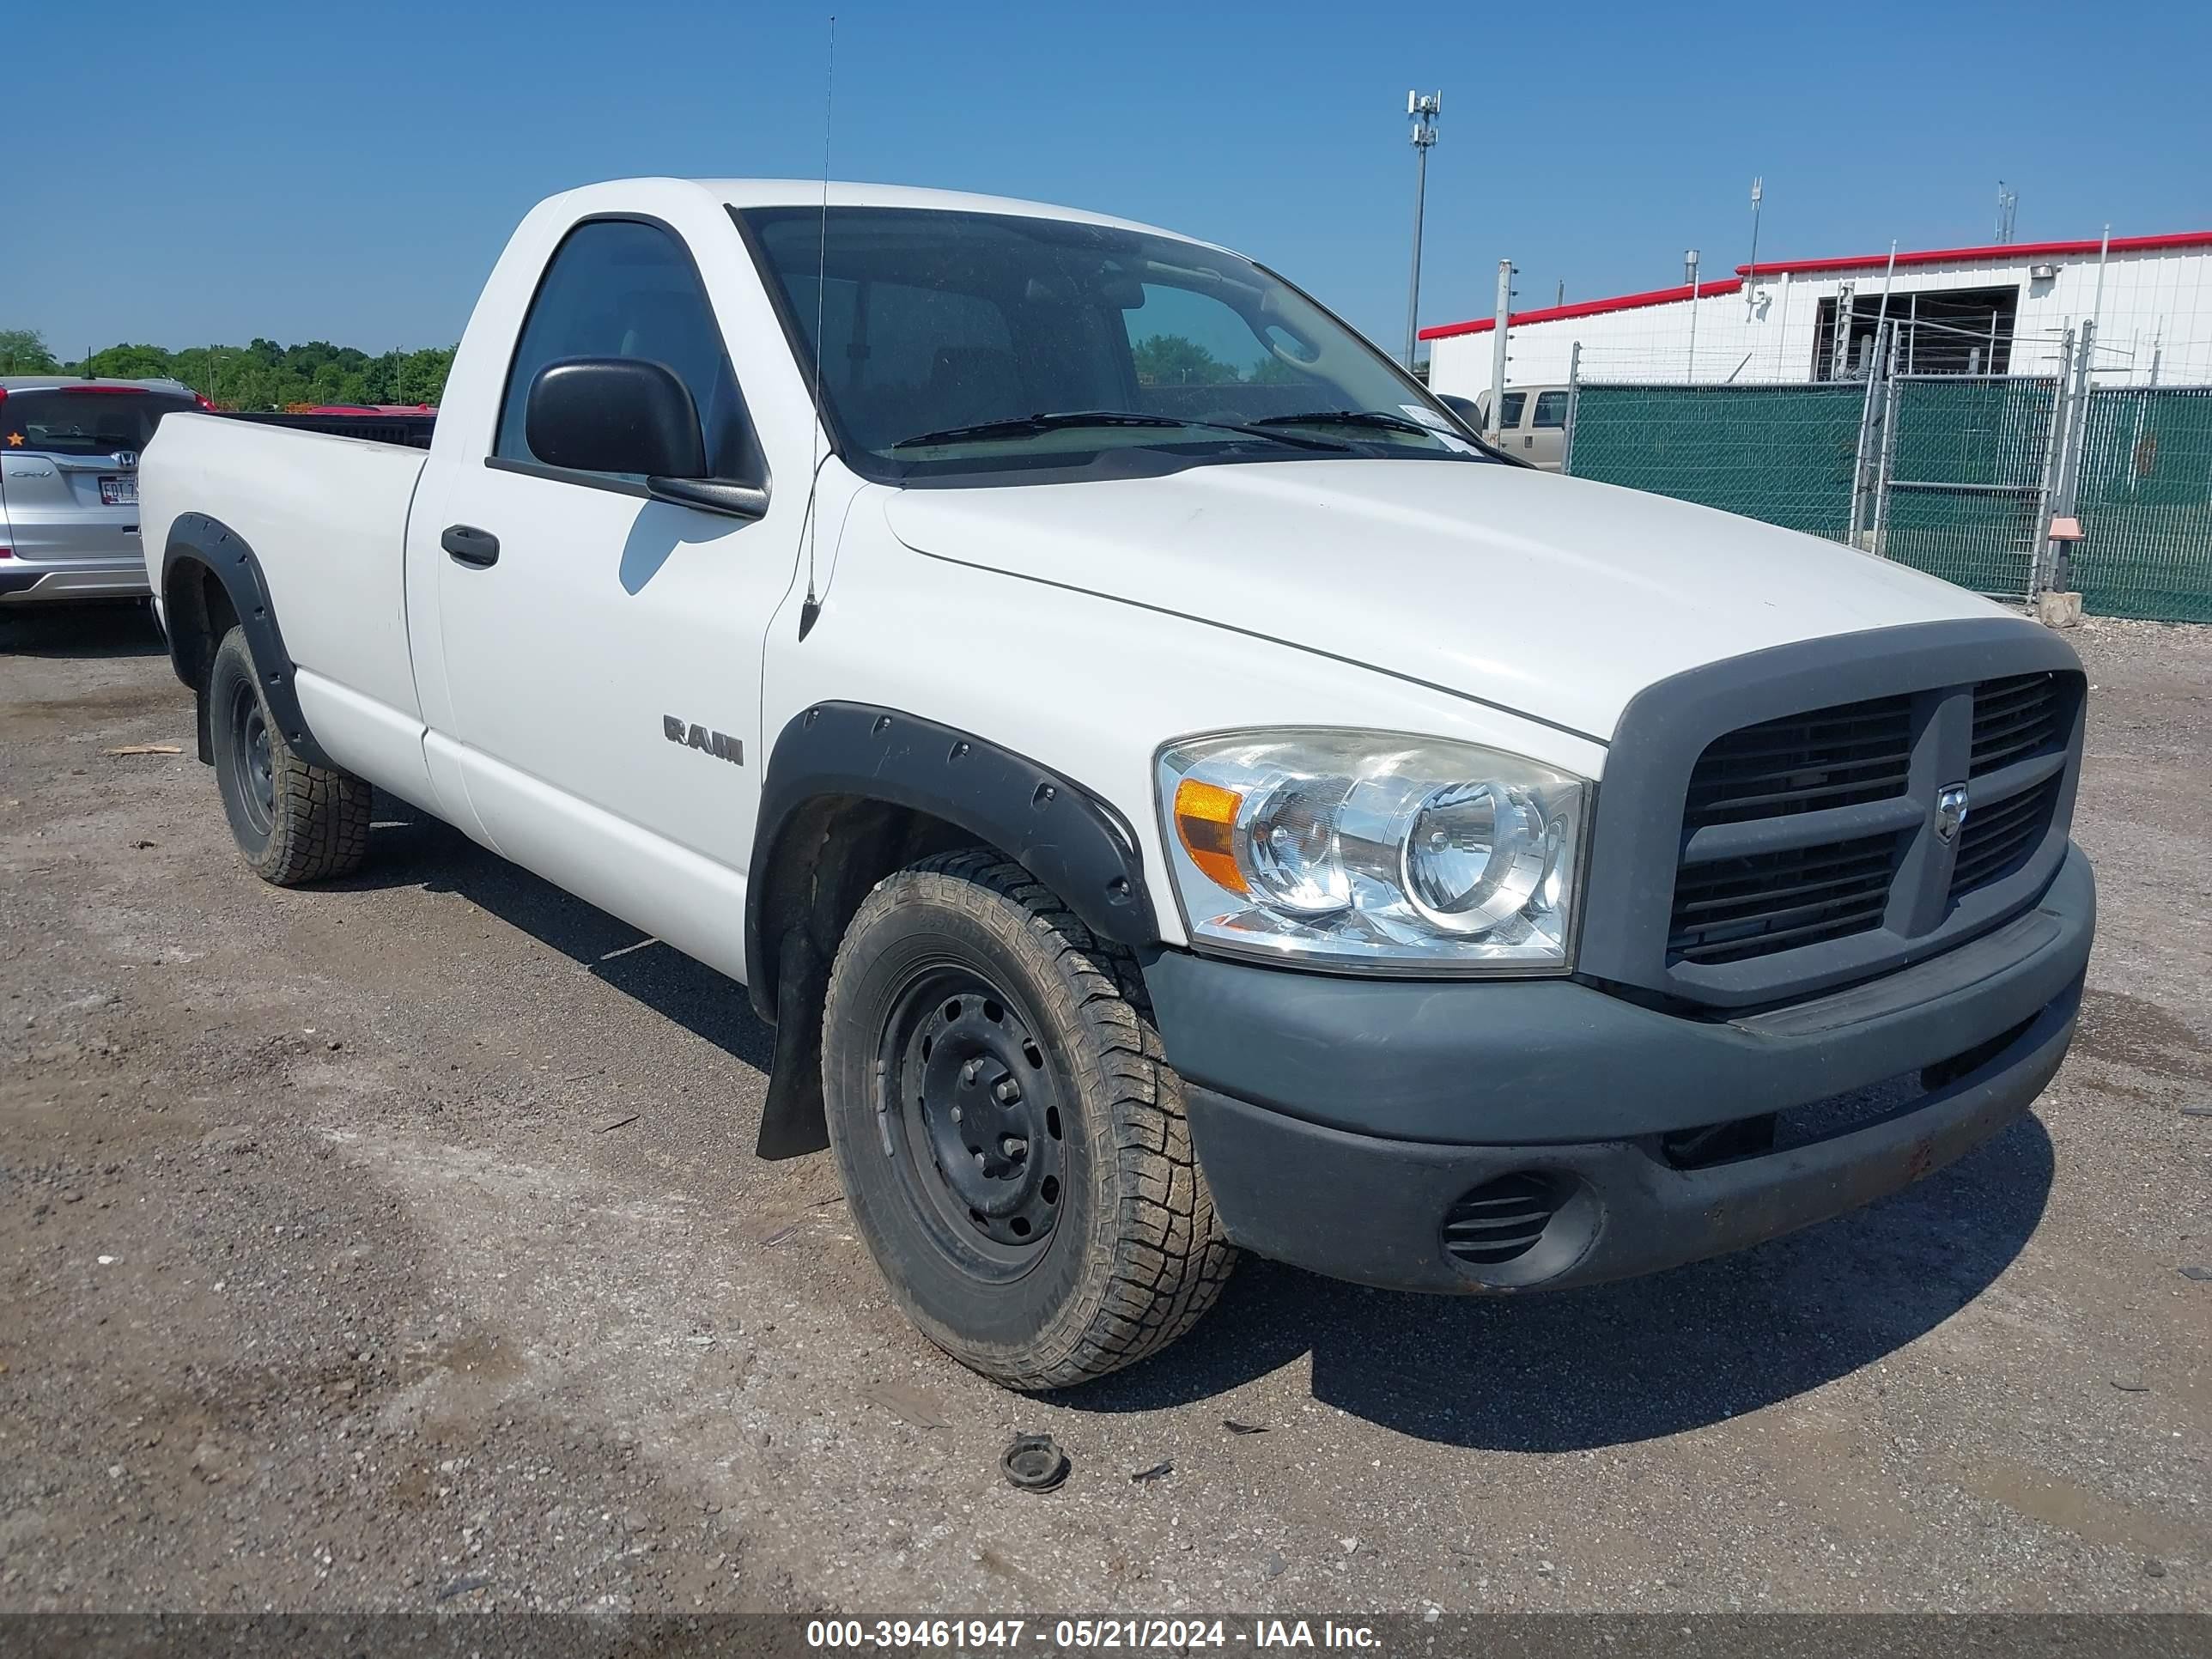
pixel 1938 332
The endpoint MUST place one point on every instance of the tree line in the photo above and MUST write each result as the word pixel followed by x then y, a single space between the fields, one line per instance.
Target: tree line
pixel 1174 360
pixel 258 376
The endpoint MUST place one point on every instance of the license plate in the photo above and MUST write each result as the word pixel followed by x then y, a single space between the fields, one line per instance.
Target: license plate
pixel 118 492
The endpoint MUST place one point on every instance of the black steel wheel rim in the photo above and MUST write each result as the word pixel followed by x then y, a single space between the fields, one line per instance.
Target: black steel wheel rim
pixel 975 1130
pixel 251 761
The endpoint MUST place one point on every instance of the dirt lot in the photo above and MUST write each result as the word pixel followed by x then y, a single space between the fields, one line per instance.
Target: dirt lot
pixel 398 1245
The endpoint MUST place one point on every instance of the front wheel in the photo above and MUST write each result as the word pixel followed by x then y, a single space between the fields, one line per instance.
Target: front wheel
pixel 293 821
pixel 1010 1140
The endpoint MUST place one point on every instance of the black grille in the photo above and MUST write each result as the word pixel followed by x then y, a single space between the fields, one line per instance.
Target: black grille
pixel 1813 848
pixel 2015 718
pixel 1732 909
pixel 1808 763
pixel 1501 1220
pixel 1997 839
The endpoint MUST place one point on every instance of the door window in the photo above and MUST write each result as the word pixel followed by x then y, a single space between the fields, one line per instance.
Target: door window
pixel 1508 413
pixel 1551 409
pixel 618 287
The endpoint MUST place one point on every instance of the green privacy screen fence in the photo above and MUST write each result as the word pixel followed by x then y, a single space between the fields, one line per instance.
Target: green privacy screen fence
pixel 1783 453
pixel 1957 474
pixel 2145 503
pixel 1963 478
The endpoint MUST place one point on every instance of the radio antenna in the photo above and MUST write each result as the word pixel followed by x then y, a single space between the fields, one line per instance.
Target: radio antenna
pixel 810 608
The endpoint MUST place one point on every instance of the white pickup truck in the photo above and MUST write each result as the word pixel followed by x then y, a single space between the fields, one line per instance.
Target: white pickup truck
pixel 1168 789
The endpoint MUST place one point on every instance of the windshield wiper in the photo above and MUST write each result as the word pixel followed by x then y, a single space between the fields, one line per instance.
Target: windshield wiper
pixel 1374 417
pixel 1024 426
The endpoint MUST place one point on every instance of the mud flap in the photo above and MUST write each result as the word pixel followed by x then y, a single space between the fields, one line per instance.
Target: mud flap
pixel 794 1121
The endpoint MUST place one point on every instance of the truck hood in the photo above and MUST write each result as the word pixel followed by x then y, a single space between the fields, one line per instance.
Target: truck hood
pixel 1553 597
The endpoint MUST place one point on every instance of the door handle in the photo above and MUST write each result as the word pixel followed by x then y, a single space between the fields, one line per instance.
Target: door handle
pixel 469 545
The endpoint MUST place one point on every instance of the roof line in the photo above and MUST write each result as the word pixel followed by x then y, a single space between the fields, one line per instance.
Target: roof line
pixel 2005 252
pixel 1657 296
pixel 1988 253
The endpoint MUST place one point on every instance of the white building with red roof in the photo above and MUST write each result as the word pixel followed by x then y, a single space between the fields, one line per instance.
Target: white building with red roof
pixel 2003 309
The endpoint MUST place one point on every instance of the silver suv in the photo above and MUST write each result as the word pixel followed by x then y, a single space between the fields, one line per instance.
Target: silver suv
pixel 68 483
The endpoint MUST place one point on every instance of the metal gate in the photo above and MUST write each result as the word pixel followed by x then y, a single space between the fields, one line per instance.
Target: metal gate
pixel 1963 479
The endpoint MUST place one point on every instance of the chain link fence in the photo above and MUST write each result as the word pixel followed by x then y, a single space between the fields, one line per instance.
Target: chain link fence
pixel 1959 475
pixel 2145 503
pixel 1783 453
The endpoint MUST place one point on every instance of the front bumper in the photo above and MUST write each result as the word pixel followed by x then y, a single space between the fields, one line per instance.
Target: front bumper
pixel 1344 1125
pixel 36 584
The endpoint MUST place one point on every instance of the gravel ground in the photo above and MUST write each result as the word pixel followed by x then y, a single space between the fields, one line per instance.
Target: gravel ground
pixel 398 1245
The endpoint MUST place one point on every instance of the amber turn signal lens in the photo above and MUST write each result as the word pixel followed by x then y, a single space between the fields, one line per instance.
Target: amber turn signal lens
pixel 1206 823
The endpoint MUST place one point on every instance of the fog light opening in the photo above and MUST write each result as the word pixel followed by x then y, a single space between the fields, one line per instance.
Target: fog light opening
pixel 1503 1220
pixel 1517 1230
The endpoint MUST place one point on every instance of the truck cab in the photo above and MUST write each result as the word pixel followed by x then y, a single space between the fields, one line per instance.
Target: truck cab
pixel 1532 423
pixel 1170 790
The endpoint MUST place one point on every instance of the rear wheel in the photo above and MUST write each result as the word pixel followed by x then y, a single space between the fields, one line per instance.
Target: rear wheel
pixel 1010 1140
pixel 295 822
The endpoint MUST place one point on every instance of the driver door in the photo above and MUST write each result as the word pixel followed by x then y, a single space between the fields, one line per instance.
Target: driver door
pixel 1544 443
pixel 602 649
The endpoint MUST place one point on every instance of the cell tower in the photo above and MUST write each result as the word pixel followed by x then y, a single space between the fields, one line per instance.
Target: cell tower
pixel 1422 111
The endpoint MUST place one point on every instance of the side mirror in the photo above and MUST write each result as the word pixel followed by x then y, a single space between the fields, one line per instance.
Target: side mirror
pixel 1468 410
pixel 614 415
pixel 627 415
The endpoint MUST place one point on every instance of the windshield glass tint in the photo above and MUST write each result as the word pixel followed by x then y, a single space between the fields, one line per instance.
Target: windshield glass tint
pixel 933 321
pixel 69 423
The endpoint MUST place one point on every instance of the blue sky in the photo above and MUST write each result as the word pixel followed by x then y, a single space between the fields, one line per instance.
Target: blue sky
pixel 306 170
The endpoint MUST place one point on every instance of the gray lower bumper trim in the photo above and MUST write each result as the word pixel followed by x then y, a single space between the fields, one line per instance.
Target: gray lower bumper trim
pixel 1527 1062
pixel 1371 1210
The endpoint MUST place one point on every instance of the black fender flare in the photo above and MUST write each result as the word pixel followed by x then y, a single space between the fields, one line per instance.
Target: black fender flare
pixel 1061 833
pixel 837 757
pixel 195 538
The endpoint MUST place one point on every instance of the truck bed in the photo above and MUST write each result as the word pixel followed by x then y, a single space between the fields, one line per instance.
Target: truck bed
pixel 409 431
pixel 326 518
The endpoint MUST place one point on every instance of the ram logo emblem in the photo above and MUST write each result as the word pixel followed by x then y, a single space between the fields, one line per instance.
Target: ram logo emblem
pixel 719 744
pixel 1950 811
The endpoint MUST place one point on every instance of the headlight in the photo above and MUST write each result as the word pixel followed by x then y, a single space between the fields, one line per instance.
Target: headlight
pixel 1364 849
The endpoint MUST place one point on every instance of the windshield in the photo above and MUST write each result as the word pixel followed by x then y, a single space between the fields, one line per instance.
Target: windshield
pixel 962 344
pixel 69 421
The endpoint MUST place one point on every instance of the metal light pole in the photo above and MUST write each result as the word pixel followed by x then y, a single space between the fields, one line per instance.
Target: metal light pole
pixel 1751 271
pixel 1498 348
pixel 1690 275
pixel 1423 110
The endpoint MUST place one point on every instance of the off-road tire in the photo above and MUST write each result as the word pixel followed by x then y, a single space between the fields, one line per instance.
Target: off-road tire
pixel 1134 1256
pixel 294 821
